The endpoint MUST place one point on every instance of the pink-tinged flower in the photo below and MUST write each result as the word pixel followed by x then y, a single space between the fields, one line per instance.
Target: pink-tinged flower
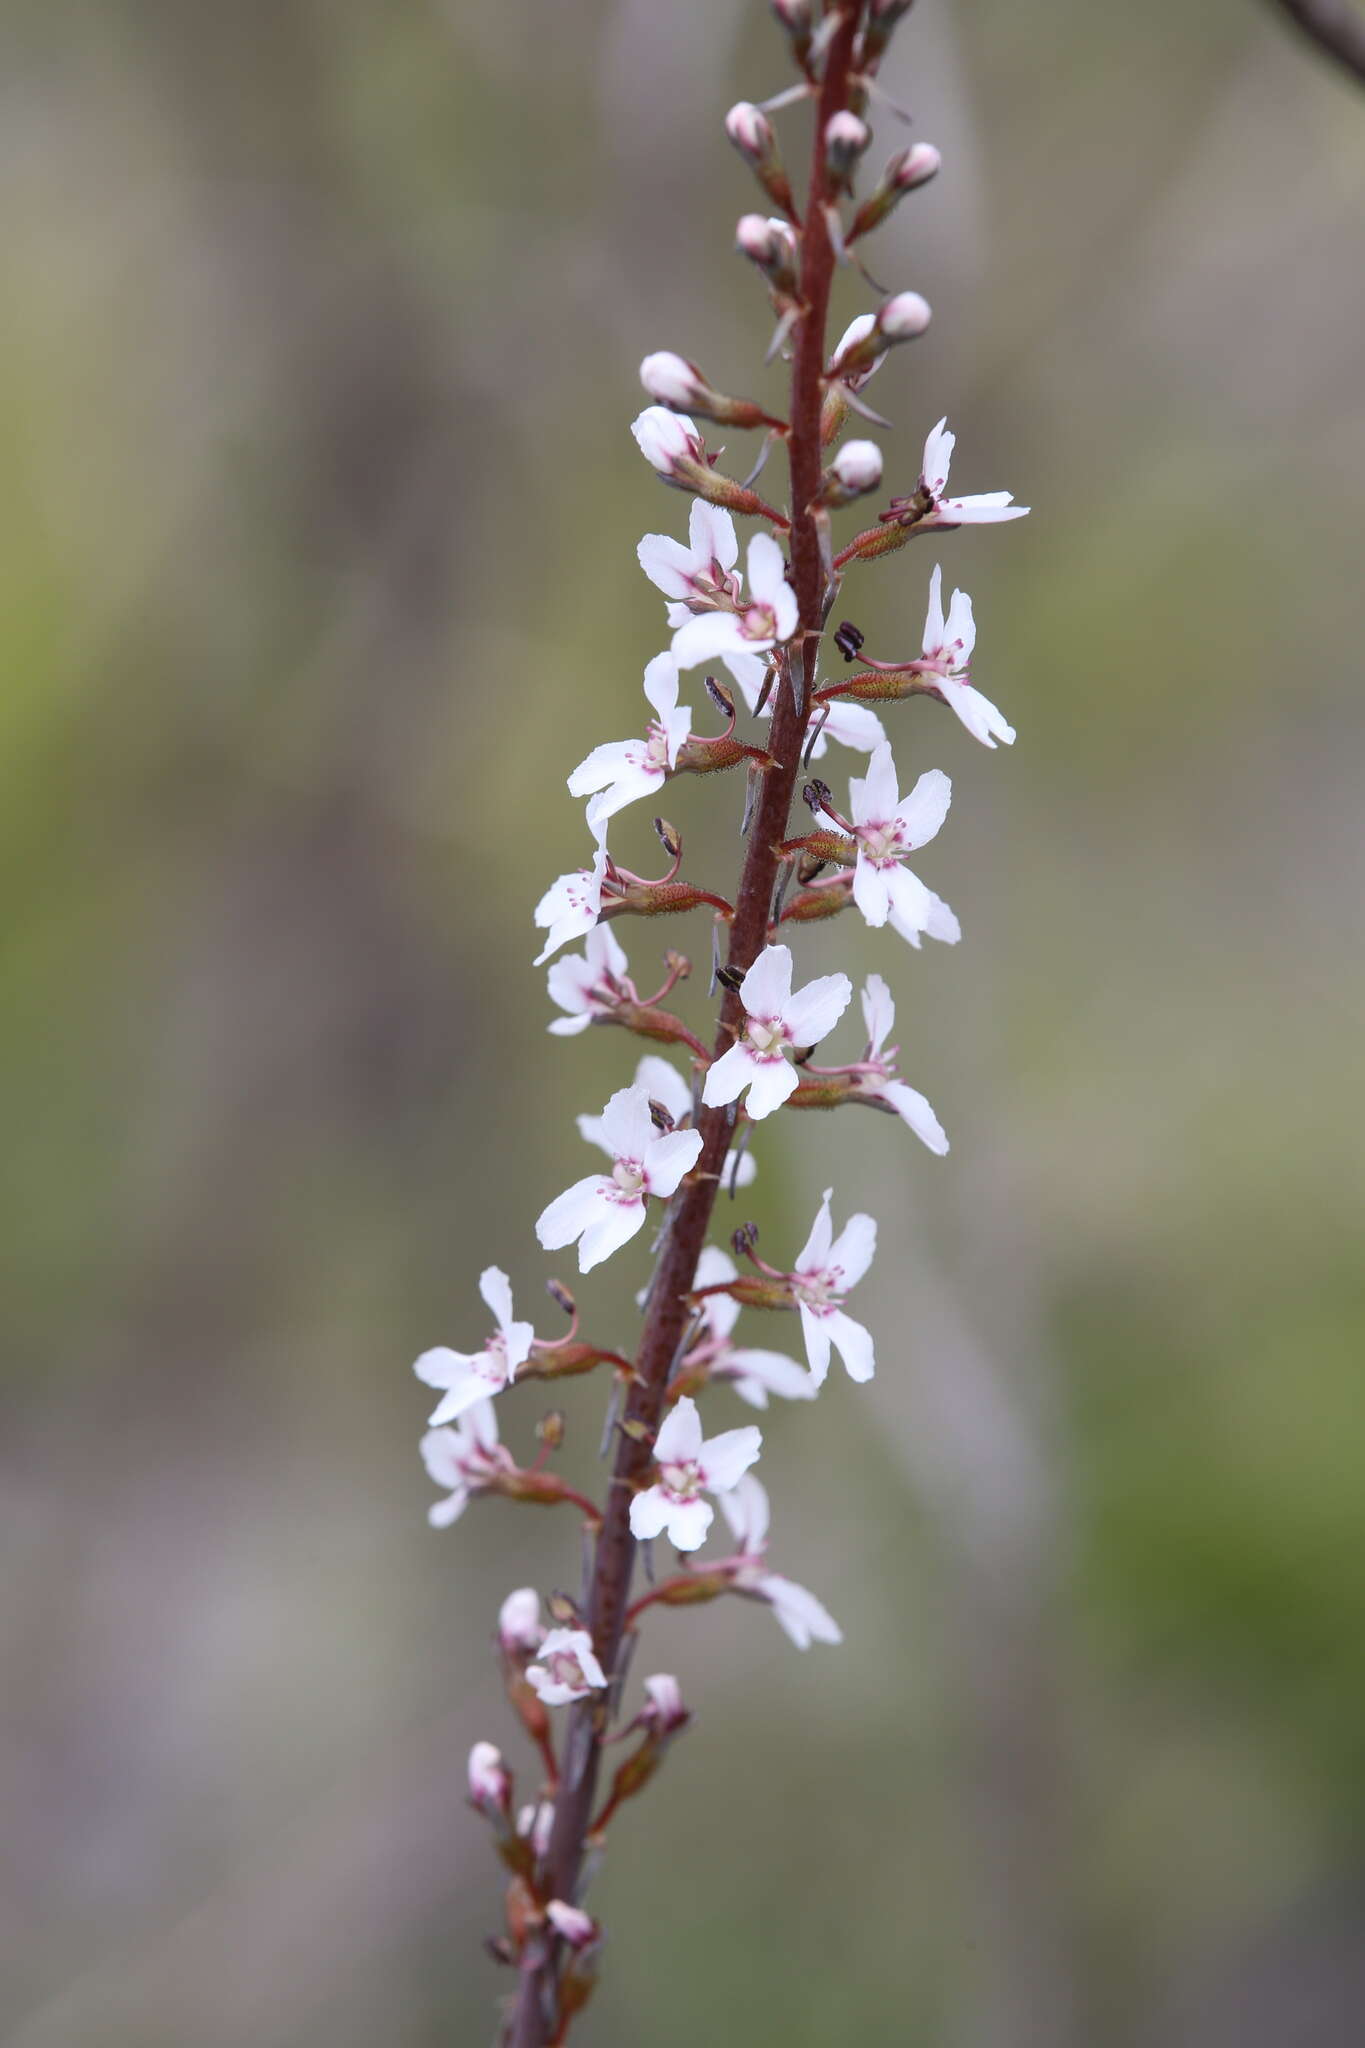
pixel 777 1020
pixel 876 1078
pixel 687 1468
pixel 671 380
pixel 578 1928
pixel 702 571
pixel 947 661
pixel 624 770
pixel 753 1374
pixel 803 1617
pixel 849 360
pixel 519 1627
pixel 826 1270
pixel 857 467
pixel 663 1084
pixel 590 984
pixel 887 827
pixel 982 510
pixel 468 1459
pixel 663 1713
pixel 470 1376
pixel 571 906
pixel 490 1782
pixel 666 439
pixel 604 1211
pixel 567 1669
pixel 852 725
pixel 769 614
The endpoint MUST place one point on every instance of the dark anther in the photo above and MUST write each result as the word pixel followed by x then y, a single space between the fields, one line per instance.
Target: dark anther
pixel 720 696
pixel 849 640
pixel 560 1294
pixel 729 977
pixel 669 837
pixel 815 793
pixel 743 1240
pixel 659 1116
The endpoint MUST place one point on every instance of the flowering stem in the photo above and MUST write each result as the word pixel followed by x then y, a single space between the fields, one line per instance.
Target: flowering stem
pixel 532 2021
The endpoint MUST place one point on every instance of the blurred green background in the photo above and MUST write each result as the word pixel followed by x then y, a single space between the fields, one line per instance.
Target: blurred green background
pixel 316 370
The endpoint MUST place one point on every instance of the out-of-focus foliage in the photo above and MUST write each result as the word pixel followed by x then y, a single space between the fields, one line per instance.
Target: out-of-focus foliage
pixel 317 575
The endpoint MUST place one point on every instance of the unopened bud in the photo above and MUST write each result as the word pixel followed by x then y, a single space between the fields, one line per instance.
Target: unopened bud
pixel 903 317
pixel 535 1825
pixel 720 696
pixel 550 1429
pixel 771 245
pixel 849 640
pixel 749 128
pixel 490 1783
pixel 795 16
pixel 882 16
pixel 674 382
pixel 519 1626
pixel 669 838
pixel 560 1295
pixel 866 339
pixel 906 169
pixel 846 137
pixel 659 1116
pixel 578 1928
pixel 664 1713
pixel 855 469
pixel 666 439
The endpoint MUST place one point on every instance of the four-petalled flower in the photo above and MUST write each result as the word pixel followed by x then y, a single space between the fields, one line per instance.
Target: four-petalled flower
pixel 776 1020
pixel 468 1459
pixel 470 1376
pixel 984 509
pixel 887 827
pixel 768 615
pixel 589 984
pixel 826 1270
pixel 876 1076
pixel 803 1617
pixel 566 1669
pixel 946 665
pixel 623 770
pixel 688 1466
pixel 572 905
pixel 603 1211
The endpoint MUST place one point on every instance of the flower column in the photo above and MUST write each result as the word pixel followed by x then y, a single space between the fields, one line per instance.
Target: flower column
pixel 668 1310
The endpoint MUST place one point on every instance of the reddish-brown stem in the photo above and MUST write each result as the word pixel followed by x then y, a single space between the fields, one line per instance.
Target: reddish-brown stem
pixel 532 2021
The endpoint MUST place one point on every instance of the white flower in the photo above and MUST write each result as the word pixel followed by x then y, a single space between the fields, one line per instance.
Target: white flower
pixel 877 1078
pixel 777 1020
pixel 903 317
pixel 470 1376
pixel 947 657
pixel 702 570
pixel 983 509
pixel 822 1276
pixel 467 1459
pixel 667 438
pixel 803 1617
pixel 603 1211
pixel 624 770
pixel 671 380
pixel 519 1626
pixel 490 1784
pixel 590 984
pixel 753 1374
pixel 664 1084
pixel 886 828
pixel 663 1712
pixel 689 1467
pixel 572 905
pixel 770 613
pixel 567 1669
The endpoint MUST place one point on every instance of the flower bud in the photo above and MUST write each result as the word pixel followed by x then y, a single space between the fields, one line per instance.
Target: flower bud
pixel 771 246
pixel 866 339
pixel 882 17
pixel 750 130
pixel 519 1626
pixel 666 439
pixel 903 317
pixel 795 17
pixel 578 1928
pixel 664 1713
pixel 846 137
pixel 856 468
pixel 907 169
pixel 490 1783
pixel 535 1823
pixel 674 382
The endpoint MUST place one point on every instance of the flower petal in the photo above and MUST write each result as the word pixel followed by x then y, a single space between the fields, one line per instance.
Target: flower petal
pixel 873 797
pixel 925 808
pixel 661 684
pixel 803 1617
pixel 854 1345
pixel 770 1083
pixel 649 1512
pixel 688 1523
pixel 813 1011
pixel 815 1256
pixel 933 618
pixel 854 1249
pixel 745 1508
pixel 914 1109
pixel 768 983
pixel 496 1289
pixel 706 637
pixel 667 563
pixel 727 1457
pixel 879 1012
pixel 441 1367
pixel 871 889
pixel 816 1334
pixel 614 1227
pixel 679 1441
pixel 663 1083
pixel 756 1374
pixel 711 532
pixel 669 1158
pixel 727 1076
pixel 571 1213
pixel 627 1123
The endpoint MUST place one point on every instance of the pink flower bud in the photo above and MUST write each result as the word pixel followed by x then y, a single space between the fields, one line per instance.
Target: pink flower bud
pixel 519 1628
pixel 535 1825
pixel 666 438
pixel 903 317
pixel 490 1784
pixel 672 380
pixel 749 128
pixel 858 467
pixel 771 244
pixel 664 1712
pixel 846 137
pixel 913 166
pixel 578 1928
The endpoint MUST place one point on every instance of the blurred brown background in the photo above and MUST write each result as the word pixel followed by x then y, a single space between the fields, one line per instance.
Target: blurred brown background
pixel 316 371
